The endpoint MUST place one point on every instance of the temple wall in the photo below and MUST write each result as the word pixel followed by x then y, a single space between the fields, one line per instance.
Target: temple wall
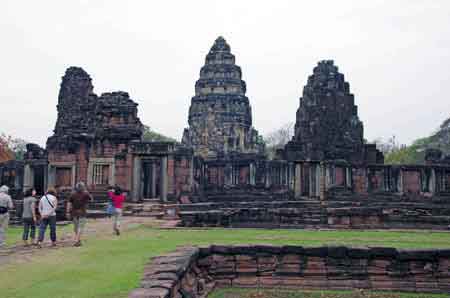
pixel 195 272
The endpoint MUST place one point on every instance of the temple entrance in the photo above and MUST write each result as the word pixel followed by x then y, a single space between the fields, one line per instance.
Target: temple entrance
pixel 150 178
pixel 39 174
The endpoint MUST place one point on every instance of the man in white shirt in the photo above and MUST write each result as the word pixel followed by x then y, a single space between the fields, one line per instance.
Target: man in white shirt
pixel 47 208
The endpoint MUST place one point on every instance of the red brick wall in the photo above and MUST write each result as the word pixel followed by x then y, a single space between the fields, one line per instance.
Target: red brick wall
pixel 182 175
pixel 340 176
pixel 216 175
pixel 376 180
pixel 105 149
pixel 244 175
pixel 359 180
pixel 171 175
pixel 82 164
pixel 122 171
pixel 212 175
pixel 411 181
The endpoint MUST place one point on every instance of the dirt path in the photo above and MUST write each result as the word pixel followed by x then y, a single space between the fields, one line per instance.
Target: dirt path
pixel 95 227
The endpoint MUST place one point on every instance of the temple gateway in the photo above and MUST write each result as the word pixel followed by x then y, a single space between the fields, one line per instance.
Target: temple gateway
pixel 219 174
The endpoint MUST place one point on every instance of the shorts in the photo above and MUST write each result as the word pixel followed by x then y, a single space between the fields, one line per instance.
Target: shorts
pixel 78 224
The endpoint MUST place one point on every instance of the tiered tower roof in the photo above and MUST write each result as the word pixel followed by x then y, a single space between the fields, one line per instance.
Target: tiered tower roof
pixel 327 125
pixel 220 116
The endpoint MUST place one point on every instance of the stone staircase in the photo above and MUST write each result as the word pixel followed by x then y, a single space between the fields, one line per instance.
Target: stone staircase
pixel 388 210
pixel 253 209
pixel 342 210
pixel 146 208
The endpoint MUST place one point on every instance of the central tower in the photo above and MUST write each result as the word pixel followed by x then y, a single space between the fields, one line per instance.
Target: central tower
pixel 220 115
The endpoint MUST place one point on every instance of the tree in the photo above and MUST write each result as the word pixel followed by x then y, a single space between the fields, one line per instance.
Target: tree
pixel 152 136
pixel 278 138
pixel 16 145
pixel 388 146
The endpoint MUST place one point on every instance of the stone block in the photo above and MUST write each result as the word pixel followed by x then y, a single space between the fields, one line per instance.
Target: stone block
pixel 245 281
pixel 270 281
pixel 149 293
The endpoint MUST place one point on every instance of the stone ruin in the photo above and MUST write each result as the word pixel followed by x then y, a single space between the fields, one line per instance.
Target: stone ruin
pixel 196 272
pixel 85 118
pixel 326 176
pixel 327 125
pixel 220 115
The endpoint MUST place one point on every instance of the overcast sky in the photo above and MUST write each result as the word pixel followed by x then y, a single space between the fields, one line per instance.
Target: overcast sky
pixel 394 54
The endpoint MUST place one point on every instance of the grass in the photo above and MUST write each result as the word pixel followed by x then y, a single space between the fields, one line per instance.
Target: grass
pixel 109 267
pixel 14 233
pixel 280 293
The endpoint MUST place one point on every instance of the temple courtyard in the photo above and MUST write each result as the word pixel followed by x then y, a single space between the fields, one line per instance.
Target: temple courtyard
pixel 111 266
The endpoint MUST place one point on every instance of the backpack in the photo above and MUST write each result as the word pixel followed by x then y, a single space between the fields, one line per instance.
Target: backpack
pixel 3 210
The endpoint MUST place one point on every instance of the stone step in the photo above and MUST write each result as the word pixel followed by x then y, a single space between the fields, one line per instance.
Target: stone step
pixel 158 215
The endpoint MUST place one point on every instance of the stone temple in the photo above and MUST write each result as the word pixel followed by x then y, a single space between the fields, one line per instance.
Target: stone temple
pixel 220 115
pixel 327 125
pixel 219 175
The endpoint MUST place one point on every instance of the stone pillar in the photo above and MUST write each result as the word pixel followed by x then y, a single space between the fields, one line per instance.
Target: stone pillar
pixel 348 177
pixel 317 180
pixel 153 180
pixel 400 181
pixel 268 175
pixel 252 173
pixel 327 176
pixel 323 178
pixel 137 176
pixel 51 176
pixel 228 172
pixel 163 179
pixel 298 180
pixel 432 186
pixel 74 175
pixel 286 174
pixel 28 177
pixel 191 174
pixel 45 178
pixel 310 193
pixel 291 176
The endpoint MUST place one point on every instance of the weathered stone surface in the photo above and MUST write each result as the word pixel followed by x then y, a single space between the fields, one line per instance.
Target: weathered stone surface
pixel 327 126
pixel 149 293
pixel 84 117
pixel 334 268
pixel 220 119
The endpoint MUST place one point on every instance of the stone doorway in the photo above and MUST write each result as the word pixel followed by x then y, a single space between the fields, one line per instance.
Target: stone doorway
pixel 150 178
pixel 39 175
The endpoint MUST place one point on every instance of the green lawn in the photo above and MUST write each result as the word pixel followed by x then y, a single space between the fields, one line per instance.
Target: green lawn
pixel 280 293
pixel 110 267
pixel 14 233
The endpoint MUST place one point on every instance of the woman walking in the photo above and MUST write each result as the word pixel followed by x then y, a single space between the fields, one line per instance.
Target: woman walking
pixel 47 209
pixel 6 204
pixel 29 216
pixel 117 198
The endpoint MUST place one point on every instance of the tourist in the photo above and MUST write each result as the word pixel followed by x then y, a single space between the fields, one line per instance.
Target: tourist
pixel 76 209
pixel 5 205
pixel 47 209
pixel 29 216
pixel 117 197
